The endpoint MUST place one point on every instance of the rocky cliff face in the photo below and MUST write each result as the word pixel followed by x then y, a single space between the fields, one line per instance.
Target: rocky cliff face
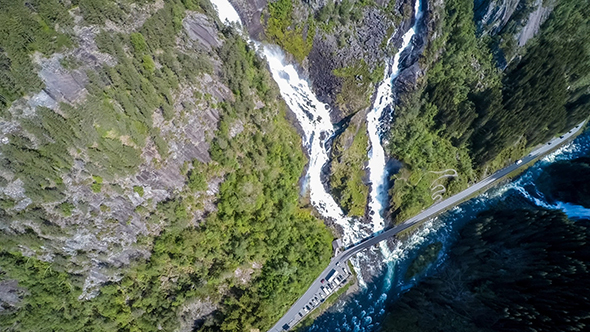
pixel 102 229
pixel 511 22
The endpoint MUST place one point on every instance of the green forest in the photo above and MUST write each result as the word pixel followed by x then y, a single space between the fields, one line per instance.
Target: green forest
pixel 257 222
pixel 470 116
pixel 511 270
pixel 466 118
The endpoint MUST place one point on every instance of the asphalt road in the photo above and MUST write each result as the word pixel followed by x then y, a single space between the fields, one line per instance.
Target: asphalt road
pixel 422 216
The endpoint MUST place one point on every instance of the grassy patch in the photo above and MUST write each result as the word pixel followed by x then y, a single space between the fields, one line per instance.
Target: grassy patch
pixel 97 184
pixel 358 83
pixel 197 176
pixel 348 171
pixel 296 39
pixel 139 190
pixel 66 208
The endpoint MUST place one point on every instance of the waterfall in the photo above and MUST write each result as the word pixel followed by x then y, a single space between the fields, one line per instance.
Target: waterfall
pixel 226 12
pixel 314 119
pixel 377 170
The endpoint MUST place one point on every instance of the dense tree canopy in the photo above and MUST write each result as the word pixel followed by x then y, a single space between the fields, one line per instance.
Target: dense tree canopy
pixel 511 270
pixel 257 225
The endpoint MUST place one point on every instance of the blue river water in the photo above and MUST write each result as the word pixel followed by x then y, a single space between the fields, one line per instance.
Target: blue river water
pixel 365 310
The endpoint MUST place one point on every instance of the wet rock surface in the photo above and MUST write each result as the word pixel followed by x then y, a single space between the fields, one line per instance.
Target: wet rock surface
pixel 250 12
pixel 492 15
pixel 363 42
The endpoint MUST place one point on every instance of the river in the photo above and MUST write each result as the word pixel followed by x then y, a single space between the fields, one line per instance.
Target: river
pixel 363 311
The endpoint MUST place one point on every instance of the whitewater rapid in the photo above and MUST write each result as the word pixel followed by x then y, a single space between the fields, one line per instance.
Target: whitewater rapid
pixel 314 119
pixel 364 311
pixel 378 197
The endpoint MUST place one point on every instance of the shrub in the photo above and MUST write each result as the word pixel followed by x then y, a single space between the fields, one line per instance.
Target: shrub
pixel 97 184
pixel 139 190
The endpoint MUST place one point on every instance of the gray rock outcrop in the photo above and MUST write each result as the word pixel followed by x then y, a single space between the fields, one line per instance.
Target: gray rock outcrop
pixel 493 16
pixel 101 234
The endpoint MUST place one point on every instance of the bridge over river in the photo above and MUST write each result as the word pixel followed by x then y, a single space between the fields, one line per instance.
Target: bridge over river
pixel 293 316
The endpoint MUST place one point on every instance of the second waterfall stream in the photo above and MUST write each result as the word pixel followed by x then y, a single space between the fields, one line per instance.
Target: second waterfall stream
pixel 314 119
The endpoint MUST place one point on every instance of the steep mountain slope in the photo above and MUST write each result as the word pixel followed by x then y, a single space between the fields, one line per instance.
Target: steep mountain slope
pixel 148 173
pixel 468 115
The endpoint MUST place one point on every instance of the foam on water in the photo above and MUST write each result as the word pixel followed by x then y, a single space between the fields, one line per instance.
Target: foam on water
pixel 363 312
pixel 377 170
pixel 573 211
pixel 226 12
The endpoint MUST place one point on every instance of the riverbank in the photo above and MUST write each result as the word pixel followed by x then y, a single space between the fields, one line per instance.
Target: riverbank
pixel 366 310
pixel 410 226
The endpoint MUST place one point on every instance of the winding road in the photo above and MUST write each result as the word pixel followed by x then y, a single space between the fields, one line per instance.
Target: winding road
pixel 292 315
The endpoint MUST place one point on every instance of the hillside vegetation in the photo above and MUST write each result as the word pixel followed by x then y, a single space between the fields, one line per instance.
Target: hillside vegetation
pixel 247 257
pixel 349 157
pixel 467 115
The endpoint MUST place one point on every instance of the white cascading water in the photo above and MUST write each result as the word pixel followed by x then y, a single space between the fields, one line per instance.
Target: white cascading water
pixel 314 119
pixel 377 171
pixel 226 12
pixel 378 175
